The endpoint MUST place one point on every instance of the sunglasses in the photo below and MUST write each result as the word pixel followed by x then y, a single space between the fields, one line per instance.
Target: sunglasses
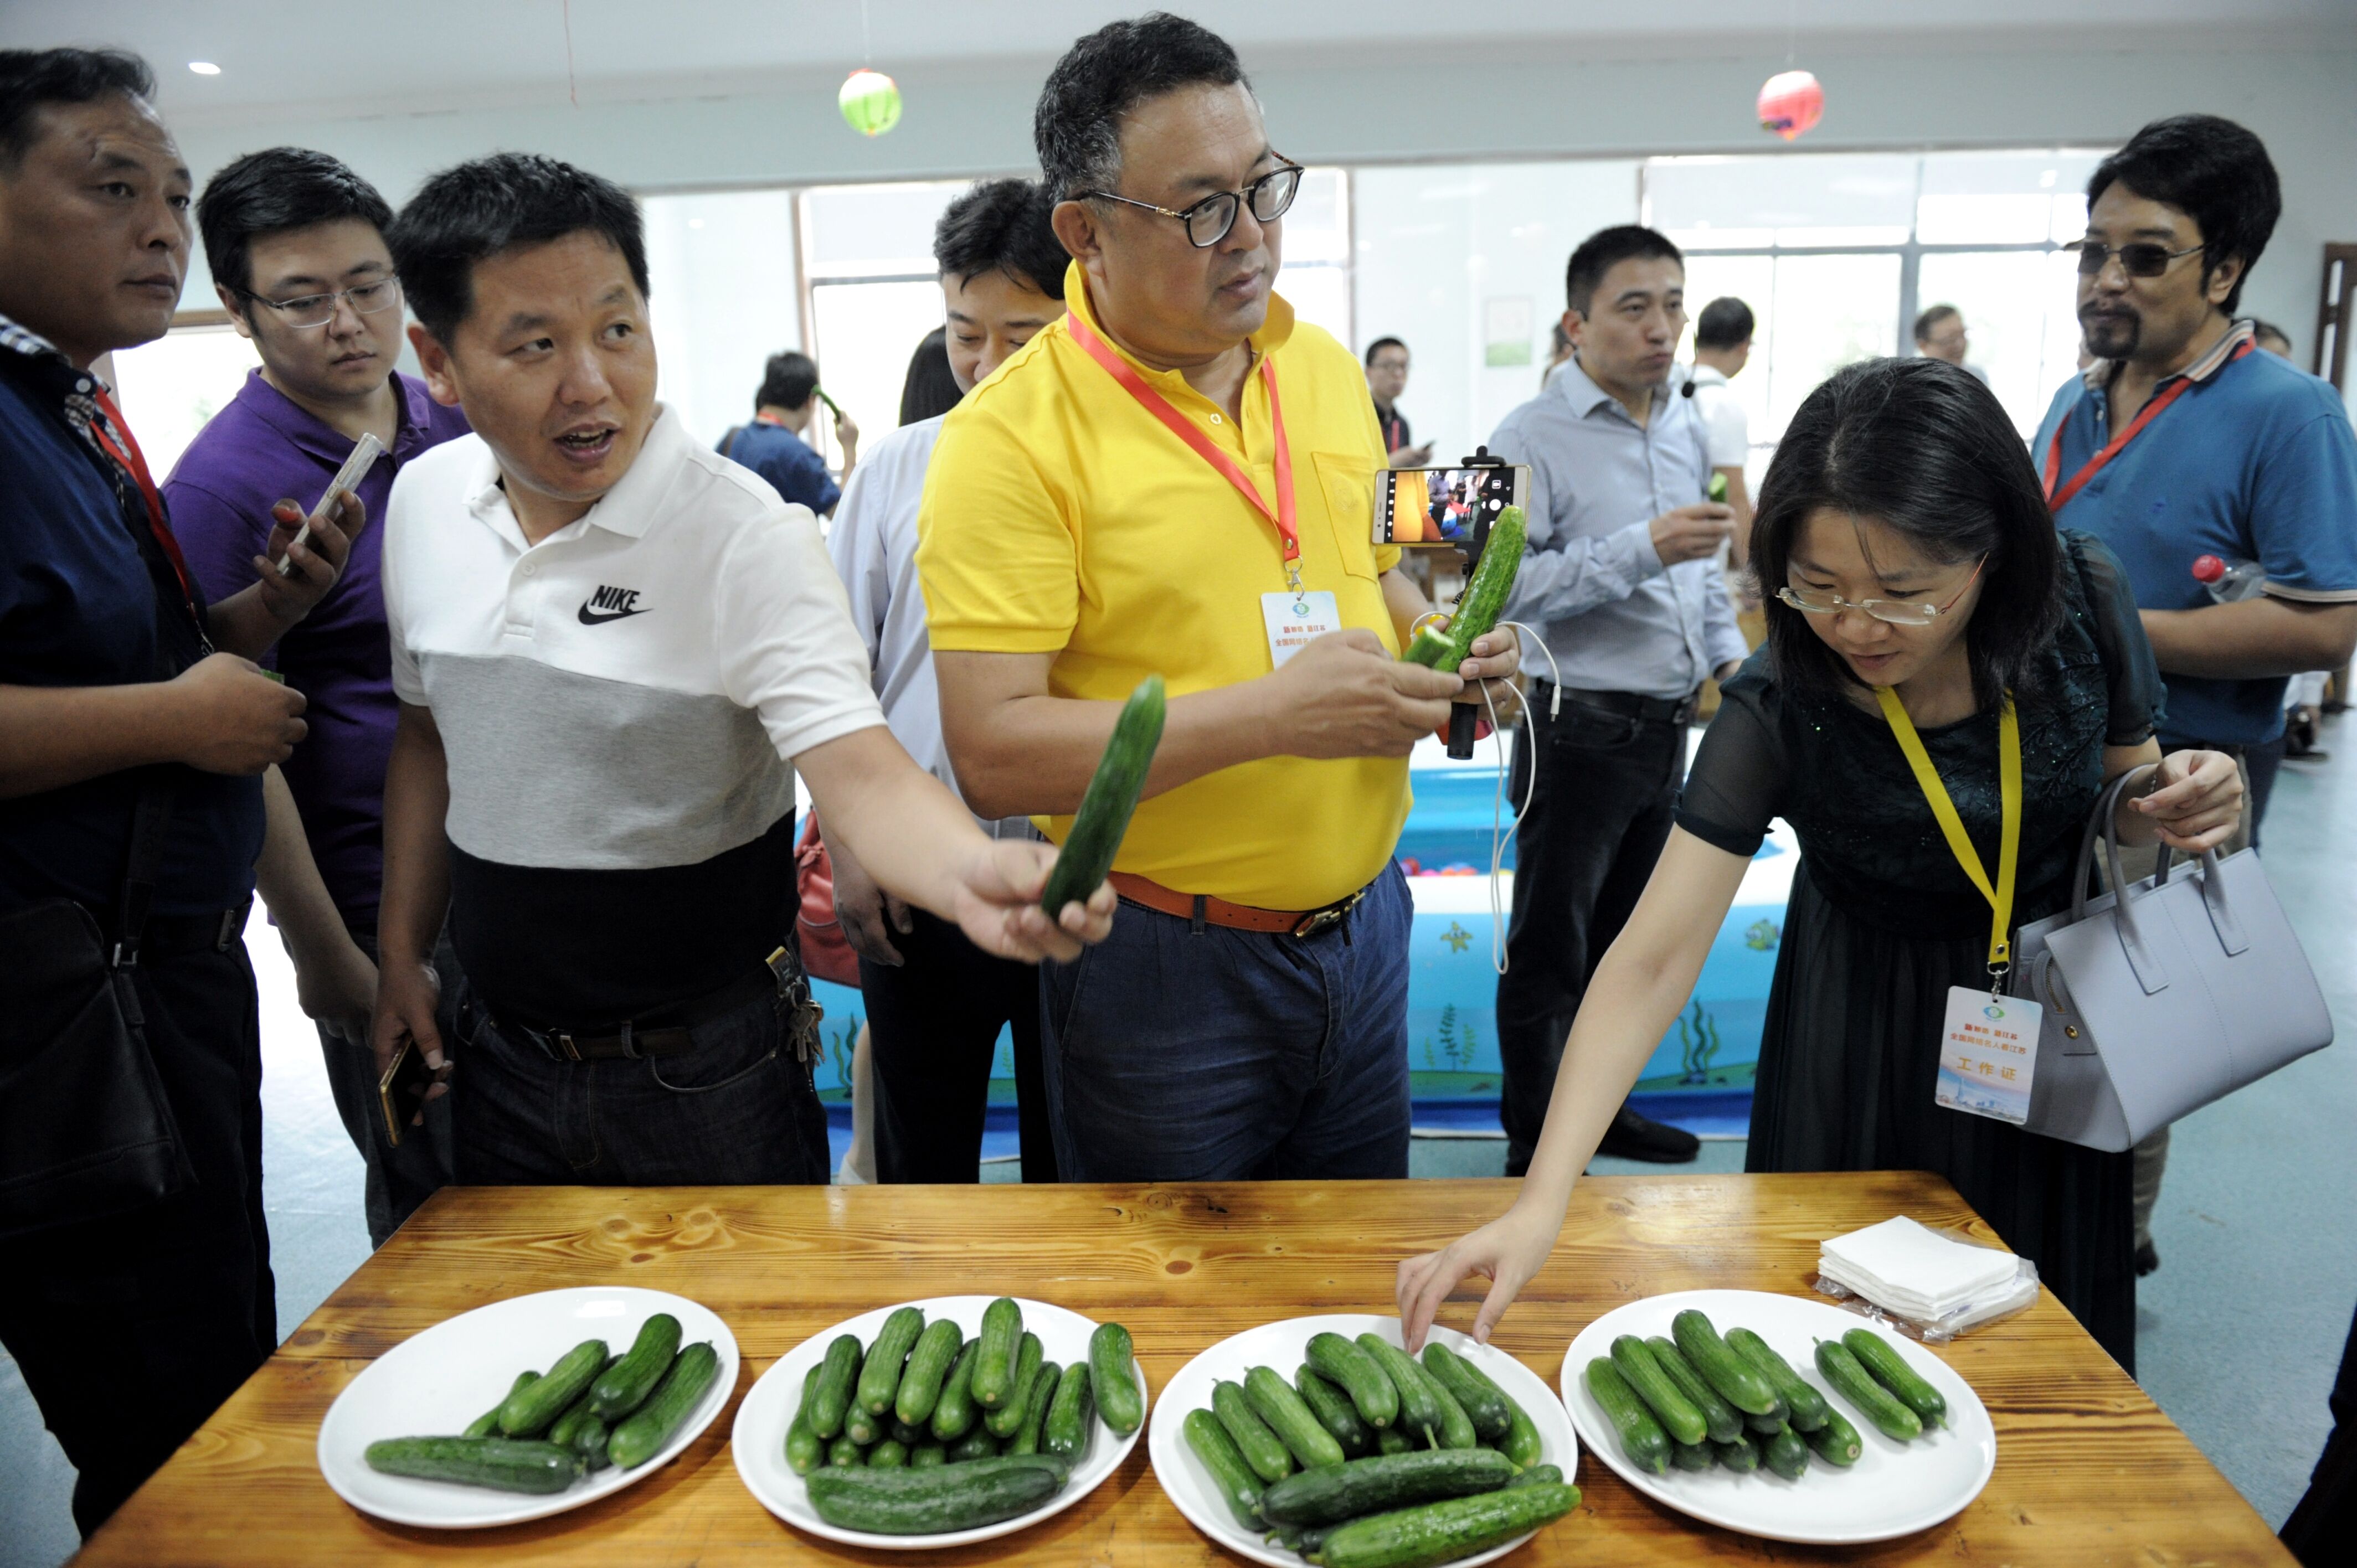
pixel 2140 260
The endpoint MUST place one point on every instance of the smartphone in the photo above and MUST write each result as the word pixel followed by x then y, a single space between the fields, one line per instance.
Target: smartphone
pixel 402 1091
pixel 1441 506
pixel 365 451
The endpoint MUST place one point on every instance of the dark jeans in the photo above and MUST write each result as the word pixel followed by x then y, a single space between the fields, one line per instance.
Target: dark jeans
pixel 2328 1512
pixel 398 1179
pixel 1598 816
pixel 738 1109
pixel 1174 1053
pixel 130 1330
pixel 934 1028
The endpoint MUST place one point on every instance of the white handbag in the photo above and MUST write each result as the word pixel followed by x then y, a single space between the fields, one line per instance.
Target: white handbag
pixel 2163 996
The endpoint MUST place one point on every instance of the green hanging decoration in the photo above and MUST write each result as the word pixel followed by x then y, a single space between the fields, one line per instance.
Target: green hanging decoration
pixel 870 101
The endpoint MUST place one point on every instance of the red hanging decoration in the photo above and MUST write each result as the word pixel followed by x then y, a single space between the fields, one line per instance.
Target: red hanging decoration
pixel 1789 102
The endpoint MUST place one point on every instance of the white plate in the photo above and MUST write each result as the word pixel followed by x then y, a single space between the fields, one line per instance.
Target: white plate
pixel 1281 1347
pixel 758 1441
pixel 441 1380
pixel 1894 1489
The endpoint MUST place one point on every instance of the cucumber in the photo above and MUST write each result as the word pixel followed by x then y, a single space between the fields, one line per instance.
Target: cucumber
pixel 1876 1403
pixel 1805 1407
pixel 1266 1455
pixel 1112 1382
pixel 1484 1403
pixel 1788 1455
pixel 1392 1440
pixel 1679 1415
pixel 642 1434
pixel 955 1412
pixel 975 1446
pixel 1098 826
pixel 1716 489
pixel 591 1443
pixel 1070 1414
pixel 1344 1364
pixel 624 1386
pixel 1766 1425
pixel 1332 1493
pixel 529 1411
pixel 1004 1420
pixel 1742 1456
pixel 805 1450
pixel 1642 1437
pixel 931 1502
pixel 901 1433
pixel 1521 1444
pixel 1456 1426
pixel 862 1428
pixel 1725 1421
pixel 928 1365
pixel 1445 1531
pixel 879 1379
pixel 1837 1441
pixel 485 1424
pixel 928 1455
pixel 831 1385
pixel 1692 1456
pixel 506 1464
pixel 994 1365
pixel 563 1430
pixel 842 1454
pixel 1235 1481
pixel 1035 1409
pixel 889 1454
pixel 1883 1362
pixel 1549 1476
pixel 1737 1380
pixel 1481 603
pixel 1419 1413
pixel 1335 1412
pixel 1296 1426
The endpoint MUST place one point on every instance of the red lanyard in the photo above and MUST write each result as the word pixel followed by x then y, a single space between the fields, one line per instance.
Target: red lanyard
pixel 2056 500
pixel 133 462
pixel 1187 430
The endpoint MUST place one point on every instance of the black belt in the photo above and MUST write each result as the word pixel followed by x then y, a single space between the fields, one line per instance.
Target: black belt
pixel 1628 704
pixel 668 1031
pixel 166 936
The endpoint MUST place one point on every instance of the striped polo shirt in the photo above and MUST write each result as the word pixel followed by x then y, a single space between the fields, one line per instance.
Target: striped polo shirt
pixel 617 704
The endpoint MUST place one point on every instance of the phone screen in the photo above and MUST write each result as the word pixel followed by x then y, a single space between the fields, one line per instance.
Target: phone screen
pixel 1441 506
pixel 403 1089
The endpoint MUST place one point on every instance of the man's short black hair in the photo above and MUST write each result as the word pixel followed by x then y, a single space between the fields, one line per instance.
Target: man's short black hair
pixel 31 78
pixel 477 210
pixel 788 380
pixel 1929 322
pixel 1002 224
pixel 271 192
pixel 1379 345
pixel 2214 172
pixel 1606 249
pixel 1724 323
pixel 1077 126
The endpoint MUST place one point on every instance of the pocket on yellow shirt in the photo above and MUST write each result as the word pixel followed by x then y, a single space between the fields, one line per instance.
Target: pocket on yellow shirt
pixel 1348 479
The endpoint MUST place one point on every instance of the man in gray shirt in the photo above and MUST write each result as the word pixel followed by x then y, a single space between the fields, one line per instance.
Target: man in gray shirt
pixel 1622 577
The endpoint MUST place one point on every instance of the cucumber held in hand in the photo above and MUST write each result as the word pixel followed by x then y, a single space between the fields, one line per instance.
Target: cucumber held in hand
pixel 1104 817
pixel 1483 601
pixel 508 1464
pixel 1445 1531
pixel 641 1436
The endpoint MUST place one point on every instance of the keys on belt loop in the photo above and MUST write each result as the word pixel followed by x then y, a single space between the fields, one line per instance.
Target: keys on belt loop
pixel 803 1014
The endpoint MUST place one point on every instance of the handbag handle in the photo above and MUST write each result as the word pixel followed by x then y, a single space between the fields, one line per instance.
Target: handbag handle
pixel 2231 939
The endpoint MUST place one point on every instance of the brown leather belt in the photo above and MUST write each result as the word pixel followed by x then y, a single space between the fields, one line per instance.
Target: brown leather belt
pixel 1205 910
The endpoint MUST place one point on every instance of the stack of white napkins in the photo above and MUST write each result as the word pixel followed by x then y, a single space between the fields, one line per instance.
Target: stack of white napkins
pixel 1929 1278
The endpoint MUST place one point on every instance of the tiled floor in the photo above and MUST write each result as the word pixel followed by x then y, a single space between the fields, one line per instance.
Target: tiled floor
pixel 2257 1228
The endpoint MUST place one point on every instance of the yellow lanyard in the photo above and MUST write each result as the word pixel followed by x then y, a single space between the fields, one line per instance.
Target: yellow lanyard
pixel 2009 755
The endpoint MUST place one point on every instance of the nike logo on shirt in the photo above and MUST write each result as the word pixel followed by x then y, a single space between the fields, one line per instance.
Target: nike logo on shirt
pixel 610 603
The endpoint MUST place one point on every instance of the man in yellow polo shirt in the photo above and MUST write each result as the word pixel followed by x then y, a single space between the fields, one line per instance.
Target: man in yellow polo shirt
pixel 1179 478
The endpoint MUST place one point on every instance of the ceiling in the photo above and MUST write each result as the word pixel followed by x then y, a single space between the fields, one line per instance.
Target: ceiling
pixel 364 56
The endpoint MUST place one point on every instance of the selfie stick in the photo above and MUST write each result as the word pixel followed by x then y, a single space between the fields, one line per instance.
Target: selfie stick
pixel 1462 714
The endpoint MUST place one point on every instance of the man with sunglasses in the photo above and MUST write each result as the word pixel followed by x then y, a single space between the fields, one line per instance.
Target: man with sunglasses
pixel 2181 441
pixel 1178 478
pixel 296 246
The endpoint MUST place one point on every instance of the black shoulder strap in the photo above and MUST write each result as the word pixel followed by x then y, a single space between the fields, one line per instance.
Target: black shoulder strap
pixel 151 820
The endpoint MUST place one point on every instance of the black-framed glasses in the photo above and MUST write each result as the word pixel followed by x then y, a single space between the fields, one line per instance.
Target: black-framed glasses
pixel 1209 220
pixel 2142 259
pixel 319 309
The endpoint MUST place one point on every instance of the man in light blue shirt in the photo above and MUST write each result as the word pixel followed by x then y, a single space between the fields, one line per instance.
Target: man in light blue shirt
pixel 1621 577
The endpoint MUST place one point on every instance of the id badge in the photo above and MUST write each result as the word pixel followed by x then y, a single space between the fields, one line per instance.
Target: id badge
pixel 1989 1049
pixel 1294 619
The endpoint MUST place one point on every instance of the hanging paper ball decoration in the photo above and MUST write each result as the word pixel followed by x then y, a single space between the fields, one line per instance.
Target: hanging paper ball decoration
pixel 1789 102
pixel 870 102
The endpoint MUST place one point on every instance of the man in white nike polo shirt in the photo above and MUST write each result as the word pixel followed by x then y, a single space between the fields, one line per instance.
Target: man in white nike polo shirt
pixel 608 643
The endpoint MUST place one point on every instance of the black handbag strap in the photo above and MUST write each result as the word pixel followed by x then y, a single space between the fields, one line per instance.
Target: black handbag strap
pixel 151 823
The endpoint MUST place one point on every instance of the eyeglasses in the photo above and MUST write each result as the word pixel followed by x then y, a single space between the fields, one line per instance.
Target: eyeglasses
pixel 2140 260
pixel 1209 220
pixel 319 309
pixel 1897 612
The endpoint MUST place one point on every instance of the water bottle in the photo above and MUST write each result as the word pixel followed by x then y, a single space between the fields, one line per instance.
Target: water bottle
pixel 2241 580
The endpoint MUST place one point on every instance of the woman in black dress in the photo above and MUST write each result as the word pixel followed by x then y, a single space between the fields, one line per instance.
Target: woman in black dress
pixel 1912 547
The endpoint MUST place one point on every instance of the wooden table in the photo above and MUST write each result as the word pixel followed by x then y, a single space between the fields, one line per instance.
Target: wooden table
pixel 2088 1471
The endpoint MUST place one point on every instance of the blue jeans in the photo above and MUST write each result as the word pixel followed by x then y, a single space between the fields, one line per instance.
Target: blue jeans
pixel 736 1108
pixel 1179 1054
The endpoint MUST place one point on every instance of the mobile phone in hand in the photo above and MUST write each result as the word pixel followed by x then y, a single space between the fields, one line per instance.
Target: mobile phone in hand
pixel 402 1091
pixel 365 451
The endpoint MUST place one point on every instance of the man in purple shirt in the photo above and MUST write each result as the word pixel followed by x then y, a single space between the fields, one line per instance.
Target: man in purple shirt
pixel 297 251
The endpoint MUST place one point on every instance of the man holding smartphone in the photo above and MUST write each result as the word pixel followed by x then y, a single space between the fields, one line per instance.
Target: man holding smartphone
pixel 1179 478
pixel 295 241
